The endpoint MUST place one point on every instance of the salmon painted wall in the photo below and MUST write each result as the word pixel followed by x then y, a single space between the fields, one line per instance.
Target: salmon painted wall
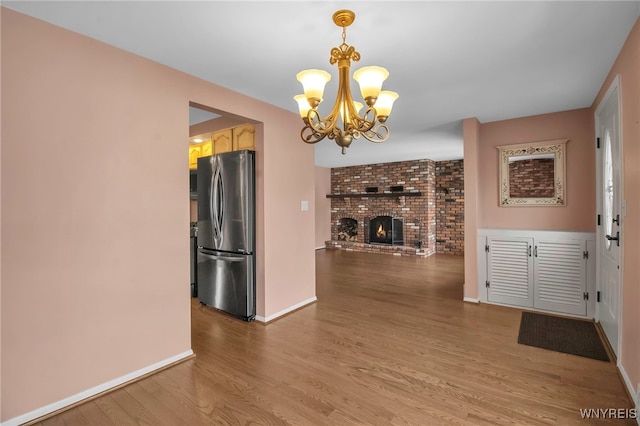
pixel 323 206
pixel 627 65
pixel 579 213
pixel 94 173
pixel 289 232
pixel 481 179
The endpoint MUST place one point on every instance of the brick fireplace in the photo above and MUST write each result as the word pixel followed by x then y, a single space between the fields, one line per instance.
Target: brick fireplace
pixel 400 196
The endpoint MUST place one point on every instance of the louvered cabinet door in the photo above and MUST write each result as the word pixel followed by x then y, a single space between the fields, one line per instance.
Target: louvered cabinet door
pixel 510 271
pixel 560 276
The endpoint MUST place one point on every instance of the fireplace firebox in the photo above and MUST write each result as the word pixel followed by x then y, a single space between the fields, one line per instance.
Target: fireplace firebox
pixel 385 230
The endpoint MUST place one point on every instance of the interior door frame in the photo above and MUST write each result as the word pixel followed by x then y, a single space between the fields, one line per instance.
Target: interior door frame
pixel 615 84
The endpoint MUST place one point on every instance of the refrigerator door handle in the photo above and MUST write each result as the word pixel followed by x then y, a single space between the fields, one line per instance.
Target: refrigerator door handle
pixel 216 199
pixel 225 258
pixel 212 200
pixel 220 202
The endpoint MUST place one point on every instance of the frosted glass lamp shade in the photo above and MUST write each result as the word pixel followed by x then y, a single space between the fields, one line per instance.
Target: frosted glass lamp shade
pixel 370 80
pixel 313 82
pixel 385 103
pixel 303 105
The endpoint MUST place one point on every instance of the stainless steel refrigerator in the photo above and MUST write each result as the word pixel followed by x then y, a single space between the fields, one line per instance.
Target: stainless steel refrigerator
pixel 226 266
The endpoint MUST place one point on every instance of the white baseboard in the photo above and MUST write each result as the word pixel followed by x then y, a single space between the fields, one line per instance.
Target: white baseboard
pixel 32 415
pixel 635 394
pixel 285 311
pixel 321 247
pixel 470 300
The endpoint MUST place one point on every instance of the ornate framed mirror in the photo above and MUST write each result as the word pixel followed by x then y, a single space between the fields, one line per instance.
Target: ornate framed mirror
pixel 532 174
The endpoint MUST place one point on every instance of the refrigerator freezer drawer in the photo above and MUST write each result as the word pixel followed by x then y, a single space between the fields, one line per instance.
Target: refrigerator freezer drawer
pixel 226 281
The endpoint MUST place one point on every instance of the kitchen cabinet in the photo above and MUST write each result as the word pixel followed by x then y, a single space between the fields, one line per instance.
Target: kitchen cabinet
pixel 207 149
pixel 510 271
pixel 244 137
pixel 543 270
pixel 222 141
pixel 237 138
pixel 195 152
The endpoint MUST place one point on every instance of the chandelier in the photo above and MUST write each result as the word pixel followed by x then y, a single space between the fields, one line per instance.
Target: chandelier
pixel 343 124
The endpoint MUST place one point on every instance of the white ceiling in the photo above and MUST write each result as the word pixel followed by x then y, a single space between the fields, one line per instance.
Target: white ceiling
pixel 447 60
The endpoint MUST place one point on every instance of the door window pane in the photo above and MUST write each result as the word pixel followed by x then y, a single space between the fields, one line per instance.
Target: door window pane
pixel 608 188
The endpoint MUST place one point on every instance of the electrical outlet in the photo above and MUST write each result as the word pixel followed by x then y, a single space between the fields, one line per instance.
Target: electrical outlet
pixel 304 206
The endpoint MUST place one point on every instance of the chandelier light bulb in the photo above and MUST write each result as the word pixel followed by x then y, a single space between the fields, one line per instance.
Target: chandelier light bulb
pixel 384 104
pixel 370 80
pixel 313 82
pixel 303 105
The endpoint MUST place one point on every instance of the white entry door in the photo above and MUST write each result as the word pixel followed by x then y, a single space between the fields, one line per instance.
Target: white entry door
pixel 609 232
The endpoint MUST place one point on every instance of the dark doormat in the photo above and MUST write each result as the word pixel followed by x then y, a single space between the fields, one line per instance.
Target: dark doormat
pixel 567 335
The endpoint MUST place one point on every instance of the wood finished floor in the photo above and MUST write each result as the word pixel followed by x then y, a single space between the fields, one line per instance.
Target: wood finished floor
pixel 389 342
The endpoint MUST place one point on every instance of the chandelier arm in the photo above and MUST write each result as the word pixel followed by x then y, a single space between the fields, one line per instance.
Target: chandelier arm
pixel 378 134
pixel 325 126
pixel 312 136
pixel 365 122
pixel 319 125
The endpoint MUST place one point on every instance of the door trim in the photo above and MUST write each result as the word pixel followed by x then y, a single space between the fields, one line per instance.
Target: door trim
pixel 615 84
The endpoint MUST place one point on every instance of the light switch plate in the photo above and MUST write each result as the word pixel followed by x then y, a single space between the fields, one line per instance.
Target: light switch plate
pixel 304 206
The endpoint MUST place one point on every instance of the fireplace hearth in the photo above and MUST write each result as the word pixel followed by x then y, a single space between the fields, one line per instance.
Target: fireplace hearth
pixel 385 230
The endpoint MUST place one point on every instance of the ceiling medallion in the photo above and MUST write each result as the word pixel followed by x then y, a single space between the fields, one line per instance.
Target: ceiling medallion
pixel 343 124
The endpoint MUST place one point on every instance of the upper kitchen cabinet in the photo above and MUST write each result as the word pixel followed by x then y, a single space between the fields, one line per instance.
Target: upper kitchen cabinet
pixel 233 139
pixel 207 149
pixel 243 137
pixel 222 141
pixel 195 152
